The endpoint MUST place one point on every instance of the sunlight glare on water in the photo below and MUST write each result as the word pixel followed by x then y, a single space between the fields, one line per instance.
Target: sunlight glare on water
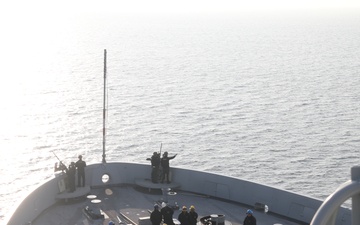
pixel 269 99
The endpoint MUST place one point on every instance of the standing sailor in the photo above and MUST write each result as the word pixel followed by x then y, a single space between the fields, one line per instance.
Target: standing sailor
pixel 155 164
pixel 249 219
pixel 167 214
pixel 70 172
pixel 184 216
pixel 155 216
pixel 193 216
pixel 166 167
pixel 80 165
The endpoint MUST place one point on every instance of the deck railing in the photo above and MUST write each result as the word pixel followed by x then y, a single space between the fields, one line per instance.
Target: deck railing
pixel 327 212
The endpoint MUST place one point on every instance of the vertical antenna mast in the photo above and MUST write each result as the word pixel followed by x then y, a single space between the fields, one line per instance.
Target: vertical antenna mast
pixel 104 109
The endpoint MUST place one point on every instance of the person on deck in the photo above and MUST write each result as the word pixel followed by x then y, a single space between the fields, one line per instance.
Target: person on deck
pixel 59 167
pixel 249 219
pixel 184 216
pixel 166 166
pixel 167 214
pixel 155 165
pixel 70 172
pixel 193 216
pixel 156 216
pixel 80 165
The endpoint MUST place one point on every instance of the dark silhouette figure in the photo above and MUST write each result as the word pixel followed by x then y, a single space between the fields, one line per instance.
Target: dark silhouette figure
pixel 70 172
pixel 156 216
pixel 59 167
pixel 249 219
pixel 166 166
pixel 167 214
pixel 80 165
pixel 184 216
pixel 155 165
pixel 193 216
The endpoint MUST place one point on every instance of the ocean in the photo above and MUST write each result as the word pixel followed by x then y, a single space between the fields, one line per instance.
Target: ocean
pixel 270 98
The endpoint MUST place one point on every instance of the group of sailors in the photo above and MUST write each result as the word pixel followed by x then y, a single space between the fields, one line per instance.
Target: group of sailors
pixel 165 215
pixel 157 216
pixel 156 162
pixel 73 169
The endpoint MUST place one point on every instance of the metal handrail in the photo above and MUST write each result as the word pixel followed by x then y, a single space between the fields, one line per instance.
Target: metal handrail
pixel 327 212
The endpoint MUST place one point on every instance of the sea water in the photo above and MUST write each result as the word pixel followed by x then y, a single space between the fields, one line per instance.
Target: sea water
pixel 268 98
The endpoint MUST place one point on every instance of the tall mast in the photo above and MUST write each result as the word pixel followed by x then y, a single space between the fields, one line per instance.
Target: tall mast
pixel 104 109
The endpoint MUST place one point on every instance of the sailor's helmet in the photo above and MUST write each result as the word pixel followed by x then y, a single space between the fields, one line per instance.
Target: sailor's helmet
pixel 249 211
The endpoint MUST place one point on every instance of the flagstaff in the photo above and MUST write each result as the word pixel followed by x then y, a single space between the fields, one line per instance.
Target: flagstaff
pixel 104 109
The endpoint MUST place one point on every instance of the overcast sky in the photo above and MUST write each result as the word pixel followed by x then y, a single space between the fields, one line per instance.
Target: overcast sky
pixel 170 6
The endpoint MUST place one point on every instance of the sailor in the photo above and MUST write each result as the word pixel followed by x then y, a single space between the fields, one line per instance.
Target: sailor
pixel 166 167
pixel 249 219
pixel 59 167
pixel 155 164
pixel 156 216
pixel 80 165
pixel 70 172
pixel 193 216
pixel 184 216
pixel 167 214
pixel 111 223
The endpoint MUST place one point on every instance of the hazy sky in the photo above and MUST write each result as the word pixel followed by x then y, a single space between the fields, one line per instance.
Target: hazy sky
pixel 221 5
pixel 19 17
pixel 171 6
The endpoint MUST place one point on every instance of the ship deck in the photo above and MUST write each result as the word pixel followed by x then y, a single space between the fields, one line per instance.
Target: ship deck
pixel 132 204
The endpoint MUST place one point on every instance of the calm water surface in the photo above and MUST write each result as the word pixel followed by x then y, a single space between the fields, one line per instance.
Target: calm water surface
pixel 272 99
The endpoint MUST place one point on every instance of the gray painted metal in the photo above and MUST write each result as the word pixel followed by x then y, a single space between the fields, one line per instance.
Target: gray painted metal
pixel 355 177
pixel 329 209
pixel 281 202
